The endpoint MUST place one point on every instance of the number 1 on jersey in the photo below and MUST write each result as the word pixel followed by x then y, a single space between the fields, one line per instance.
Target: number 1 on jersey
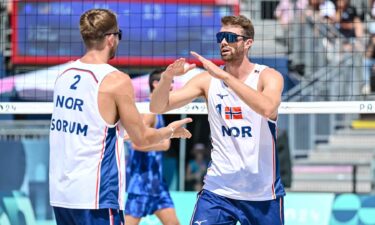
pixel 218 109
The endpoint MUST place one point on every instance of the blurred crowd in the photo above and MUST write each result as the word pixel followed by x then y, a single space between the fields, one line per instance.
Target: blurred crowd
pixel 353 19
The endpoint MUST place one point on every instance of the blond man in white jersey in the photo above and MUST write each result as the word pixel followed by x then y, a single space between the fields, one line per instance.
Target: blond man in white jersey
pixel 243 182
pixel 93 103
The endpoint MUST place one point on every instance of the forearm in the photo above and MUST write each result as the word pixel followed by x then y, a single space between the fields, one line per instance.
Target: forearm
pixel 160 96
pixel 161 146
pixel 152 137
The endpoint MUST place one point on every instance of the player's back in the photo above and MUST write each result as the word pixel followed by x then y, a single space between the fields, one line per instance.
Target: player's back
pixel 85 152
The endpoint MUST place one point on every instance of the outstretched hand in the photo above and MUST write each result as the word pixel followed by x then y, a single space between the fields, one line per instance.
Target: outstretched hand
pixel 178 68
pixel 211 68
pixel 179 130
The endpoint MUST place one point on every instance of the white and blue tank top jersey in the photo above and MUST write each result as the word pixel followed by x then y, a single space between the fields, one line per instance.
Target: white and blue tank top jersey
pixel 87 162
pixel 244 162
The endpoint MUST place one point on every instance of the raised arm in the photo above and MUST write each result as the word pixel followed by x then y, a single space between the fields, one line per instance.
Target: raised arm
pixel 117 89
pixel 267 99
pixel 163 100
pixel 264 101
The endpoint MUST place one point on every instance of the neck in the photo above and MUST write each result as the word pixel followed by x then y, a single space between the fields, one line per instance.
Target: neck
pixel 95 57
pixel 239 69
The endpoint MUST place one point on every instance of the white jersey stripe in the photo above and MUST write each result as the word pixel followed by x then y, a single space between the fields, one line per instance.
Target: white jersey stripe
pixel 99 166
pixel 80 70
pixel 118 156
pixel 273 170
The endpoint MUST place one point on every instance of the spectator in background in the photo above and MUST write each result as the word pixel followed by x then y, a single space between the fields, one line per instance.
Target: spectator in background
pixel 327 10
pixel 196 168
pixel 321 10
pixel 286 12
pixel 371 20
pixel 349 24
pixel 369 65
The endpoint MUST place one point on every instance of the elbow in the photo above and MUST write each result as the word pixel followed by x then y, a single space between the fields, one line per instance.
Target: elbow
pixel 268 113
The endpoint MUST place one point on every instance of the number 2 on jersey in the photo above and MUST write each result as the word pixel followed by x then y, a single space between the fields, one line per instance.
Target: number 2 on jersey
pixel 74 85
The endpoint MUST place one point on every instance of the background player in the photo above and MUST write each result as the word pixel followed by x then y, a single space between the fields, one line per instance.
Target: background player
pixel 147 190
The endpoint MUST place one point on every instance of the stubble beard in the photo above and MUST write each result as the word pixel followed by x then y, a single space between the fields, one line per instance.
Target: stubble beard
pixel 233 56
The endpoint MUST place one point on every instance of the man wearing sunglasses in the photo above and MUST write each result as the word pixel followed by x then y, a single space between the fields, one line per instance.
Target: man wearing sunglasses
pixel 242 183
pixel 93 103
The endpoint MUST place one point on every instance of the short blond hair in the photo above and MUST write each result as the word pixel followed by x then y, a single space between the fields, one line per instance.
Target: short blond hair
pixel 94 24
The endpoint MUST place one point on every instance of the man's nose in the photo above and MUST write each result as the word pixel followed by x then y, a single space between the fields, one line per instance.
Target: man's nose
pixel 224 42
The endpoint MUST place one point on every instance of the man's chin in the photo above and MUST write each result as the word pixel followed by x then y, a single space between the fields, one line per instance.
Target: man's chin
pixel 226 58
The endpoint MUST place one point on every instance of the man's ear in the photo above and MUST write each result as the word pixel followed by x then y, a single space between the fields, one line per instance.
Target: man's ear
pixel 111 40
pixel 249 43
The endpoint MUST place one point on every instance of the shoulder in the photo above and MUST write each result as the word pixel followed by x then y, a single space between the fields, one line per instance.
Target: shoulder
pixel 116 81
pixel 270 73
pixel 271 78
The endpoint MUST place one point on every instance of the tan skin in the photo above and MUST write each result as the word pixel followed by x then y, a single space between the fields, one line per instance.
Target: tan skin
pixel 116 100
pixel 167 216
pixel 265 101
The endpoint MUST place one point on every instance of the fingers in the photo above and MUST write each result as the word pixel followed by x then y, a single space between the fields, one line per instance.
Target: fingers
pixel 179 130
pixel 182 133
pixel 188 67
pixel 188 134
pixel 182 122
pixel 187 120
pixel 196 55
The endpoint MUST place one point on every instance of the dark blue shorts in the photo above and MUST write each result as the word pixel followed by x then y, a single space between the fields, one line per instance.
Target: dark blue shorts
pixel 142 205
pixel 66 216
pixel 213 209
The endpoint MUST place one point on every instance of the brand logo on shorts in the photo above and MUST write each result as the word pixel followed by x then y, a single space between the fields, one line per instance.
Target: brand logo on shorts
pixel 200 222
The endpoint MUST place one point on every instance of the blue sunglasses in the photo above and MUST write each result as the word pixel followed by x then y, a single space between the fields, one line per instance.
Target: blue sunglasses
pixel 229 37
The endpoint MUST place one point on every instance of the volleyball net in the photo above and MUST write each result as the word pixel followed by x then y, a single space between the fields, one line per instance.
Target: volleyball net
pixel 327 78
pixel 318 63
